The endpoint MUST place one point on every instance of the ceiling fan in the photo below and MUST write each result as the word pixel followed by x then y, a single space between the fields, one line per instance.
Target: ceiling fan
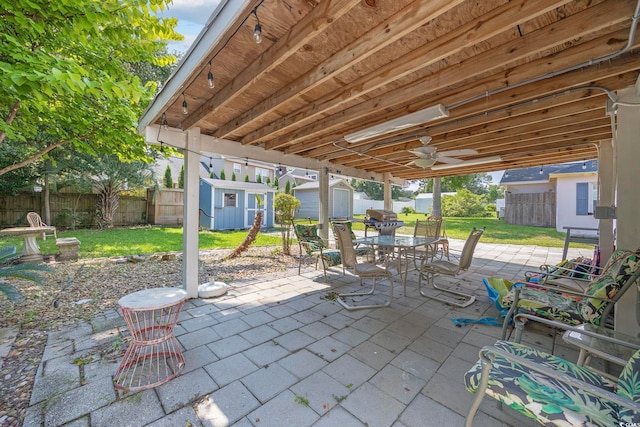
pixel 428 156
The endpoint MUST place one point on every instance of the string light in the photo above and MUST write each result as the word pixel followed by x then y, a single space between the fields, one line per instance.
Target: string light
pixel 506 174
pixel 185 111
pixel 584 164
pixel 210 163
pixel 210 81
pixel 257 31
pixel 246 162
pixel 541 171
pixel 164 124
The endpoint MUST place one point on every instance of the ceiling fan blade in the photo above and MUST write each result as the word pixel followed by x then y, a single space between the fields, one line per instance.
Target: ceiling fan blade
pixel 450 160
pixel 425 139
pixel 423 151
pixel 461 152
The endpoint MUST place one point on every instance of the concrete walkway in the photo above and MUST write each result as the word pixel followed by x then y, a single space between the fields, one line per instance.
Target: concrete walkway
pixel 276 352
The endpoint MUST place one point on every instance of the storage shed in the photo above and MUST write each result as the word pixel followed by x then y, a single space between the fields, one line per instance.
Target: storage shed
pixel 232 205
pixel 340 199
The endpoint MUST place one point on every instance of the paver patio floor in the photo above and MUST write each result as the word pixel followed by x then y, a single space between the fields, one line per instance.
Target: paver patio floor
pixel 275 351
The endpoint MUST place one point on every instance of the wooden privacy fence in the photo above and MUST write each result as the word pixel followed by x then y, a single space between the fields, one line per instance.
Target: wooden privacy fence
pixel 69 210
pixel 535 209
pixel 165 207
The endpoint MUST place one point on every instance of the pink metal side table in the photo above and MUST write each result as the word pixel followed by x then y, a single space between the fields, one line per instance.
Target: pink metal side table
pixel 154 355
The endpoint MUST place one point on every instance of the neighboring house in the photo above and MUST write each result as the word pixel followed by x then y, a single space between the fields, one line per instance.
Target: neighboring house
pixel 296 177
pixel 232 205
pixel 340 199
pixel 561 196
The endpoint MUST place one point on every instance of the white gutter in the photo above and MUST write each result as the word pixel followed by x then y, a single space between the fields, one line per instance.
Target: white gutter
pixel 222 18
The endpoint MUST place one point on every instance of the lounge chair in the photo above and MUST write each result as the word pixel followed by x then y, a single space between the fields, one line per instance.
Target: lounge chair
pixel 554 391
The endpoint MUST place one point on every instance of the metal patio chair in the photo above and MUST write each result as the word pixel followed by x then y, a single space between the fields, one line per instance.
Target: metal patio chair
pixel 34 220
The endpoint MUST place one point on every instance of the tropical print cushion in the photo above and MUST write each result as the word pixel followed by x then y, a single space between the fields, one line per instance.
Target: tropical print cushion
pixel 308 236
pixel 540 397
pixel 330 257
pixel 549 305
pixel 620 267
pixel 629 388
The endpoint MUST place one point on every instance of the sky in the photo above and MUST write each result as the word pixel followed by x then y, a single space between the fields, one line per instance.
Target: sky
pixel 193 14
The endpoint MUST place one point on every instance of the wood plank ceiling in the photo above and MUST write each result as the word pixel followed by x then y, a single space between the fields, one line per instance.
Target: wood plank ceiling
pixel 524 80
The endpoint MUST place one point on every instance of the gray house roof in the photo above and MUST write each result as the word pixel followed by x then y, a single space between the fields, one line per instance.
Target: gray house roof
pixel 239 185
pixel 316 184
pixel 533 174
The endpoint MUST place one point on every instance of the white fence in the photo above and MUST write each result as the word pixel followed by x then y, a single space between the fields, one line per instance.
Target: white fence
pixel 360 206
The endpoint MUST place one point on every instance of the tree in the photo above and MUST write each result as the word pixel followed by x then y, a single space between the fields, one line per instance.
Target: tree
pixel 476 183
pixel 495 192
pixel 285 207
pixel 276 182
pixel 233 176
pixel 222 175
pixel 181 177
pixel 246 178
pixel 287 187
pixel 375 190
pixel 109 177
pixel 168 179
pixel 259 179
pixel 436 208
pixel 253 231
pixel 69 71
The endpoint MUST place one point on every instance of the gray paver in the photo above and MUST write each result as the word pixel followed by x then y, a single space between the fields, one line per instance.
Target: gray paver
pixel 228 346
pixel 302 363
pixel 137 409
pixel 294 340
pixel 226 406
pixel 321 391
pixel 283 411
pixel 266 353
pixel 268 382
pixel 79 401
pixel 329 348
pixel 350 371
pixel 373 406
pixel 230 369
pixel 423 412
pixel 398 383
pixel 172 395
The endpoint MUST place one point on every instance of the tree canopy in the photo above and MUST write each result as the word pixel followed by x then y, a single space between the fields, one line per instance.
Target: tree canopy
pixel 476 183
pixel 375 190
pixel 68 75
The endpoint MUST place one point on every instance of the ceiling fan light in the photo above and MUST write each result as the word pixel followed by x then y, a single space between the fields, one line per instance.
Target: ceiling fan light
pixel 434 112
pixel 424 163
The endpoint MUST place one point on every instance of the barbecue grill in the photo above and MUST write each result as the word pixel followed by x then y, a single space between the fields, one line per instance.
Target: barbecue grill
pixel 385 222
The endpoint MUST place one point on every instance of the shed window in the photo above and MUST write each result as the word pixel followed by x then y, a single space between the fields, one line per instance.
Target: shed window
pixel 582 198
pixel 237 168
pixel 230 200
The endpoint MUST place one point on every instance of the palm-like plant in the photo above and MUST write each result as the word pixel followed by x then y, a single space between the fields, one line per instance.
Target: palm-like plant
pixel 28 271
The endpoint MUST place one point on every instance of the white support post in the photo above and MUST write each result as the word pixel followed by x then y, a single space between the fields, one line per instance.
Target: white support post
pixel 606 193
pixel 190 243
pixel 388 201
pixel 323 218
pixel 627 153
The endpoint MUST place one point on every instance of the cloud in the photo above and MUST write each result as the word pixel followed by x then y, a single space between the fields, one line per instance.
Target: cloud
pixel 194 11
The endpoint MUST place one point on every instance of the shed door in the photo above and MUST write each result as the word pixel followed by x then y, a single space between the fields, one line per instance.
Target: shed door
pixel 341 203
pixel 252 208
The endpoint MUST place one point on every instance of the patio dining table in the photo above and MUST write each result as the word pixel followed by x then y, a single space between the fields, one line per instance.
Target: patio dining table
pixel 402 247
pixel 31 249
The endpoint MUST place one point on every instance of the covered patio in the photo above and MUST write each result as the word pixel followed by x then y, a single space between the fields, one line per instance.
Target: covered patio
pixel 277 351
pixel 396 90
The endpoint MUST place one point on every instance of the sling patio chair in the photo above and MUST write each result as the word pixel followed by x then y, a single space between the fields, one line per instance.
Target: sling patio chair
pixel 361 250
pixel 429 228
pixel 313 245
pixel 554 391
pixel 561 308
pixel 364 270
pixel 430 269
pixel 35 220
pixel 443 241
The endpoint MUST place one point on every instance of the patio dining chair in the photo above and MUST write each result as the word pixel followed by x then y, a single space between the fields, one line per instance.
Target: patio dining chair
pixel 364 270
pixel 429 228
pixel 554 391
pixel 35 220
pixel 430 269
pixel 561 308
pixel 311 244
pixel 361 250
pixel 443 241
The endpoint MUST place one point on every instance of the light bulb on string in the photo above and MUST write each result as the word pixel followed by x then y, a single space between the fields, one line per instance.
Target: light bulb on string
pixel 541 170
pixel 210 81
pixel 584 165
pixel 185 110
pixel 257 31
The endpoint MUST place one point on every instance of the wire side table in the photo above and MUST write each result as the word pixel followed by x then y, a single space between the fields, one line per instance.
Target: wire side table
pixel 153 357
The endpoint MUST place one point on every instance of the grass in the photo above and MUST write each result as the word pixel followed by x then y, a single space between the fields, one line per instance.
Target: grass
pixel 148 240
pixel 497 231
pixel 141 240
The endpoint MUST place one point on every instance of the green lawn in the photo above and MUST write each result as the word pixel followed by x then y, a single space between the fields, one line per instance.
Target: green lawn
pixel 497 231
pixel 148 240
pixel 141 240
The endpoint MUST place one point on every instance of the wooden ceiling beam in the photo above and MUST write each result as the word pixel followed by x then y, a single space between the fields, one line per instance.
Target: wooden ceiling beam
pixel 309 27
pixel 568 30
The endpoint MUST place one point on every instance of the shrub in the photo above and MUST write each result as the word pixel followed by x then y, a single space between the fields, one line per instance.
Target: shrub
pixel 463 204
pixel 408 210
pixel 168 179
